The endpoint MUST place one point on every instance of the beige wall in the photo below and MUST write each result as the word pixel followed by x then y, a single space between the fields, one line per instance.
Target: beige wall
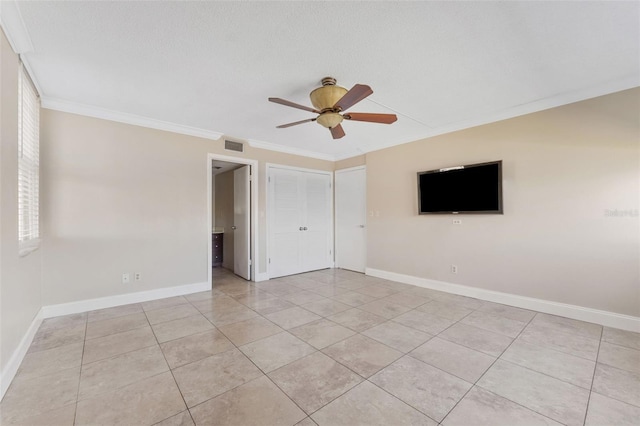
pixel 224 215
pixel 562 169
pixel 20 286
pixel 121 198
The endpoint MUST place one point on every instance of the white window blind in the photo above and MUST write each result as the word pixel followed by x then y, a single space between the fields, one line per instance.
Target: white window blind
pixel 28 164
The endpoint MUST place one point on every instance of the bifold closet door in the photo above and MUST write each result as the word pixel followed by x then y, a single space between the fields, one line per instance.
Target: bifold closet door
pixel 285 252
pixel 300 234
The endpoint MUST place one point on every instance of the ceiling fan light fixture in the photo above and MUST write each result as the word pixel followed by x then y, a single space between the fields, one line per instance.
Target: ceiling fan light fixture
pixel 325 97
pixel 329 119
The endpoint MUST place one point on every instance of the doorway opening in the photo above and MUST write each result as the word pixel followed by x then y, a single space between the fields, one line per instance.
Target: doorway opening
pixel 232 199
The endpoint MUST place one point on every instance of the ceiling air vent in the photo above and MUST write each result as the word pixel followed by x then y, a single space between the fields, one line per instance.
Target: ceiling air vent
pixel 233 146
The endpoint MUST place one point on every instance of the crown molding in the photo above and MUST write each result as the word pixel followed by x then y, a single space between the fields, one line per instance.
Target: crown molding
pixel 19 39
pixel 528 108
pixel 137 120
pixel 290 150
pixel 349 154
pixel 14 27
pixel 123 117
pixel 559 100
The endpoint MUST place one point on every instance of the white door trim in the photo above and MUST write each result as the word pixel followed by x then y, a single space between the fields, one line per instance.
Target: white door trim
pixel 268 206
pixel 254 185
pixel 335 233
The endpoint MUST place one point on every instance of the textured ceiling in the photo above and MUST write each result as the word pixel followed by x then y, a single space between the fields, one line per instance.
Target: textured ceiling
pixel 440 66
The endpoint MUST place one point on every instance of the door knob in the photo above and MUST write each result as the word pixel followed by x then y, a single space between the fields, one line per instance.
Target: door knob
pixel 361 226
pixel 301 228
pixel 305 228
pixel 234 227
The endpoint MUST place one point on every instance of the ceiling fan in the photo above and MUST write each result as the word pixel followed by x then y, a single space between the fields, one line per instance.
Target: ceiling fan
pixel 330 101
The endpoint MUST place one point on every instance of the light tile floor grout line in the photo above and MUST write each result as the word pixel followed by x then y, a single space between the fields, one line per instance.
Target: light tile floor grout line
pixel 404 402
pixel 236 347
pixel 172 375
pixel 84 341
pixel 595 368
pixel 474 384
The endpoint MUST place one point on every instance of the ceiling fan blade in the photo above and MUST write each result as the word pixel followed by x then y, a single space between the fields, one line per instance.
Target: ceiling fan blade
pixel 353 96
pixel 337 132
pixel 284 126
pixel 292 104
pixel 371 117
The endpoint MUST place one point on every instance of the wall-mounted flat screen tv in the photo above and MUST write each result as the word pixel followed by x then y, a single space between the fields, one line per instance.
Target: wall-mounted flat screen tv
pixel 475 188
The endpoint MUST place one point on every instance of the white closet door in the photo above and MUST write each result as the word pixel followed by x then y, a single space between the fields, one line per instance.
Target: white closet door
pixel 317 225
pixel 300 218
pixel 286 220
pixel 351 219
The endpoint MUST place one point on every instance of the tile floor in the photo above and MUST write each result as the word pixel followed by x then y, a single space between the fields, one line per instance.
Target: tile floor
pixel 330 347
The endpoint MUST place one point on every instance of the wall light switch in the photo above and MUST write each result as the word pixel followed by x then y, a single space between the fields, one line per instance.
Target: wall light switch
pixel 126 278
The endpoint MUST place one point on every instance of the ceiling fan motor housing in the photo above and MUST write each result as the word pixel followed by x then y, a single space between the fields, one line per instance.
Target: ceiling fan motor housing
pixel 325 97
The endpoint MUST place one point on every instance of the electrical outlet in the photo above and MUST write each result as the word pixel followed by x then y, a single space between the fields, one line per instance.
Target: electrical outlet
pixel 137 276
pixel 126 278
pixel 454 269
pixel 457 221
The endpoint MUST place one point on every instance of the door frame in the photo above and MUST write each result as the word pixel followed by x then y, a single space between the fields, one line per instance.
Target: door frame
pixel 269 205
pixel 253 185
pixel 335 231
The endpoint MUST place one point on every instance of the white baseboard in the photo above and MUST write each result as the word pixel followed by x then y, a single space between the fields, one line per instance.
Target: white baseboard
pixel 609 319
pixel 262 276
pixel 11 369
pixel 121 299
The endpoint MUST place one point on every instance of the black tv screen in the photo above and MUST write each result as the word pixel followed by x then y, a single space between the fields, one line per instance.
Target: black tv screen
pixel 475 188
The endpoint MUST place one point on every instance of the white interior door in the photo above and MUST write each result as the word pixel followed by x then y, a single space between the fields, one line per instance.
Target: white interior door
pixel 286 223
pixel 241 222
pixel 351 219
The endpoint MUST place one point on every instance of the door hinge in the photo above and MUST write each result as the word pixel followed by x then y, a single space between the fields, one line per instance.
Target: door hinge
pixel 250 262
pixel 269 178
pixel 269 260
pixel 329 251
